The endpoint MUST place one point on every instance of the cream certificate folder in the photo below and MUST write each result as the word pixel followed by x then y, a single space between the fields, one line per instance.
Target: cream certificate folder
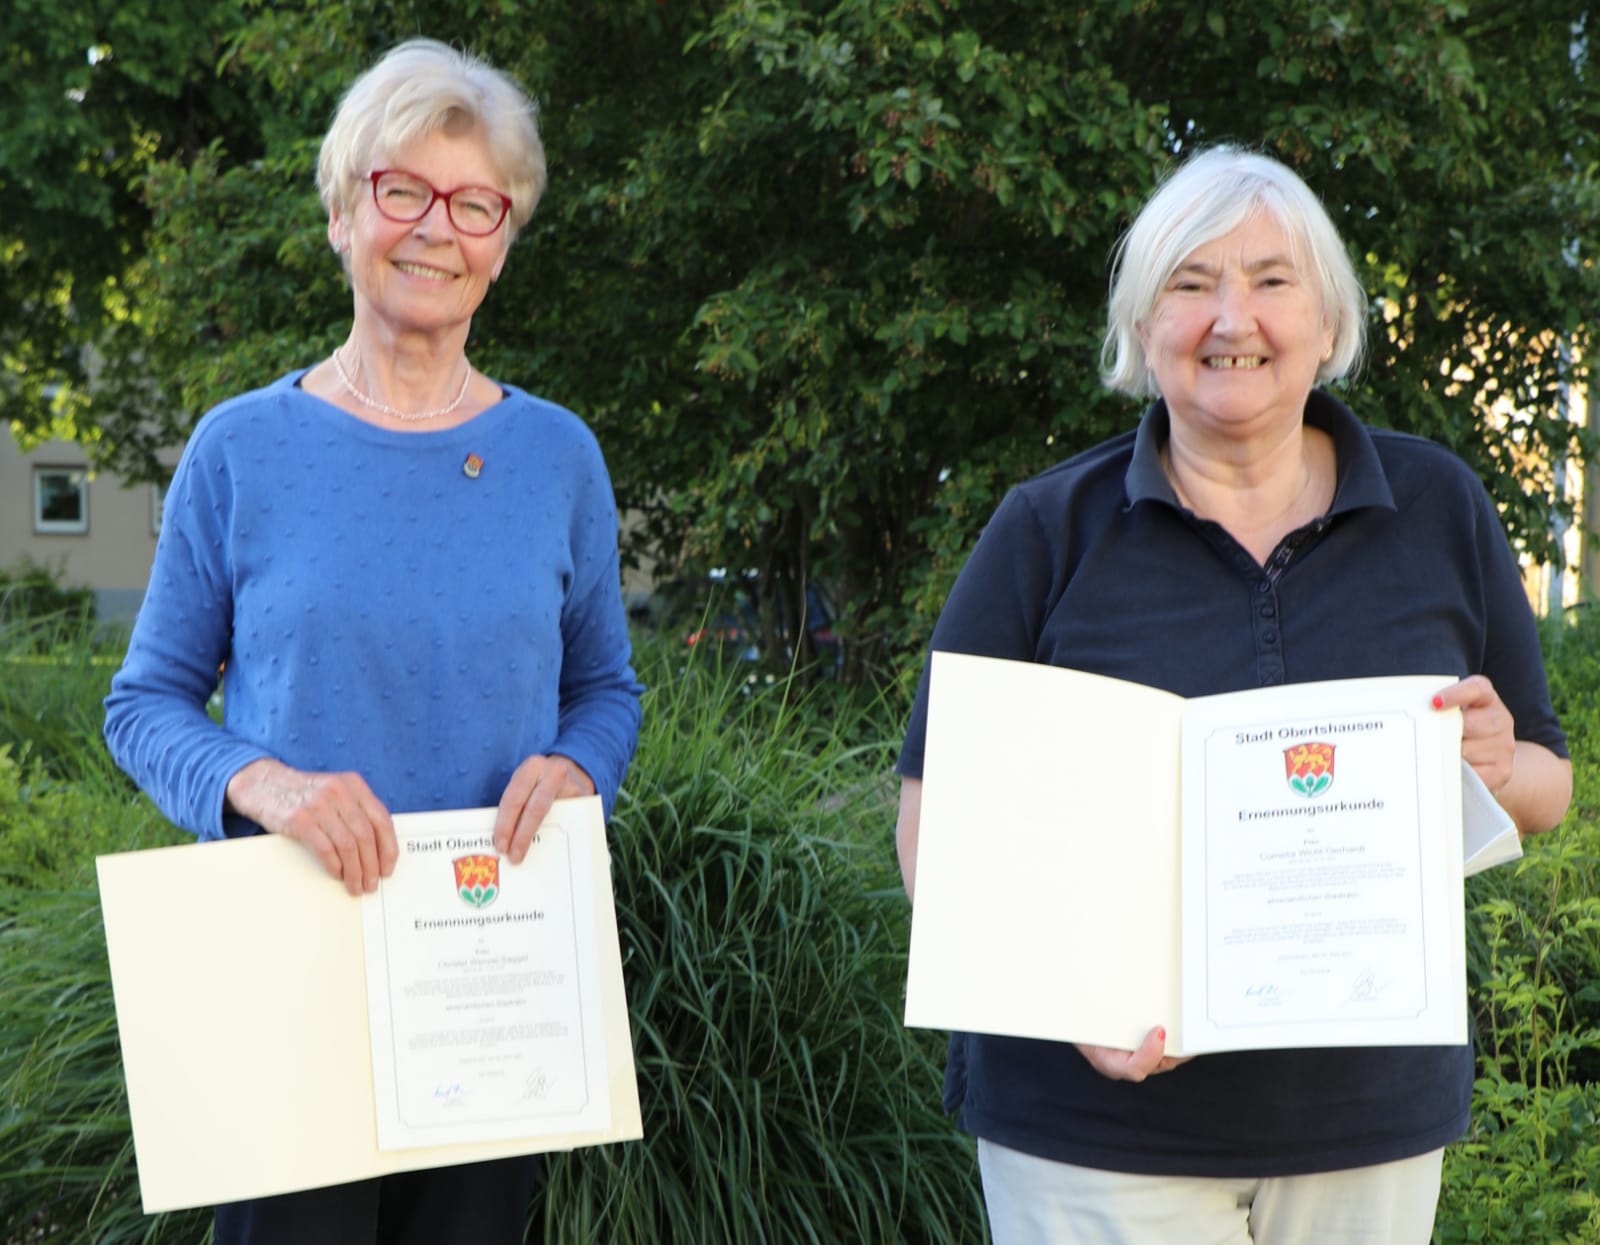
pixel 1272 868
pixel 239 977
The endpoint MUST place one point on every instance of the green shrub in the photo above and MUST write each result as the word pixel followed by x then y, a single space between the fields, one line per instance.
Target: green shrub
pixel 66 1154
pixel 51 831
pixel 52 682
pixel 763 937
pixel 36 607
pixel 1527 1169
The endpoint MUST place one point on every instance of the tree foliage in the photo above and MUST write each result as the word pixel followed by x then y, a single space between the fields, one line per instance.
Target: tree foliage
pixel 92 95
pixel 827 277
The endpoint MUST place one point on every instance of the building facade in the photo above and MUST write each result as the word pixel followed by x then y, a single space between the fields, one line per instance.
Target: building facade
pixel 92 529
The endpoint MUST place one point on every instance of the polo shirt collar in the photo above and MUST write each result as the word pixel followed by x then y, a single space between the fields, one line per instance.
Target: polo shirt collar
pixel 1361 478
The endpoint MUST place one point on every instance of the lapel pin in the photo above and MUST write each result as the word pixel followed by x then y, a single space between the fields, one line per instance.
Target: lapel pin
pixel 472 466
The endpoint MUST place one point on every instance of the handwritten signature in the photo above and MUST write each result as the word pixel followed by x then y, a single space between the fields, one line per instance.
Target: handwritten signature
pixel 450 1093
pixel 537 1086
pixel 1365 988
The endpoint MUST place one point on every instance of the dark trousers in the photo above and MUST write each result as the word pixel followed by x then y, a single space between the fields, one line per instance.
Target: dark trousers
pixel 473 1204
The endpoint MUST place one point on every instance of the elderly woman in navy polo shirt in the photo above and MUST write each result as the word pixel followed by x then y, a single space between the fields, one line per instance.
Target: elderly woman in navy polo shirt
pixel 1251 531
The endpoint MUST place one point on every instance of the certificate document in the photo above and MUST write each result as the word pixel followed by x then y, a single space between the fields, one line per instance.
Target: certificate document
pixel 1322 859
pixel 1271 868
pixel 484 998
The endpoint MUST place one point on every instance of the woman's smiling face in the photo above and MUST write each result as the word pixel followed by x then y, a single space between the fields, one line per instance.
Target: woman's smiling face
pixel 423 275
pixel 1238 332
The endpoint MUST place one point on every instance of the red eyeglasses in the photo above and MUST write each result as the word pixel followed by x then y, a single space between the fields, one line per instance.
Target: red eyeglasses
pixel 474 210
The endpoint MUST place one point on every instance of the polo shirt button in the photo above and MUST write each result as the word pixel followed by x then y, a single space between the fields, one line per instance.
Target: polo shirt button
pixel 1263 586
pixel 1271 637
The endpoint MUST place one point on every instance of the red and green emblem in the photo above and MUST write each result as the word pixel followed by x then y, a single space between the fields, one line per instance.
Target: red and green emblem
pixel 1309 768
pixel 477 879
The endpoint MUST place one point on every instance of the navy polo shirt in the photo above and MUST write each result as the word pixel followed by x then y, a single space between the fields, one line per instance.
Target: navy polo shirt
pixel 1095 565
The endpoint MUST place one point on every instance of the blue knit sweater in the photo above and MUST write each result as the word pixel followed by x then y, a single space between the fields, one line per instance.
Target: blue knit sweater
pixel 377 608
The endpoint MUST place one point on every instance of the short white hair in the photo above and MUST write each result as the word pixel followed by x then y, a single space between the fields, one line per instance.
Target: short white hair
pixel 417 88
pixel 1208 196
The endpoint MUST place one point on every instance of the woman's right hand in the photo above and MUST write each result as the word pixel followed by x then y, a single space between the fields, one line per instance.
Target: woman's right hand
pixel 1133 1065
pixel 335 816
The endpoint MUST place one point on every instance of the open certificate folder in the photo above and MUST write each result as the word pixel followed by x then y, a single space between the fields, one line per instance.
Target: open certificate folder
pixel 1280 867
pixel 279 1035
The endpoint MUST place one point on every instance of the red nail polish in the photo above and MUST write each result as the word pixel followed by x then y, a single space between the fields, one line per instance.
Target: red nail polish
pixel 1161 1033
pixel 1438 701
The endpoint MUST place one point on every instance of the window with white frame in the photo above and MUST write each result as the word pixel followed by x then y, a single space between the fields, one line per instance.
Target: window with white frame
pixel 60 501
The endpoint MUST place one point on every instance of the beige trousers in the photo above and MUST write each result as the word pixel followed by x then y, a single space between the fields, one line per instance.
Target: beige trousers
pixel 1034 1201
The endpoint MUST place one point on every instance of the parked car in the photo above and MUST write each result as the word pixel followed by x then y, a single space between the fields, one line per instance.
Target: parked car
pixel 731 620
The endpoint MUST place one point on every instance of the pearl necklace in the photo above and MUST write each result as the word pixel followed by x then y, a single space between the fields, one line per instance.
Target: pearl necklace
pixel 392 412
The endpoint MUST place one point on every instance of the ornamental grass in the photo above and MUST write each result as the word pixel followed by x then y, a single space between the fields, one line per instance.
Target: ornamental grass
pixel 763 935
pixel 762 931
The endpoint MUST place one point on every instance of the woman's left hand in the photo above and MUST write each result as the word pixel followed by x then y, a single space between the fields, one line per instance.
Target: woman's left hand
pixel 1487 740
pixel 1133 1065
pixel 538 783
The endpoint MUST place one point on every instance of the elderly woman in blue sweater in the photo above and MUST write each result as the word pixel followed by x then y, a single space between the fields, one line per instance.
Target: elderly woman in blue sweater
pixel 406 569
